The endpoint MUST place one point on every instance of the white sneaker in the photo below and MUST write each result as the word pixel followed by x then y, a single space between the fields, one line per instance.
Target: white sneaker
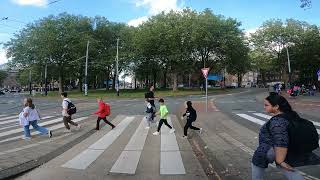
pixel 67 131
pixel 147 127
pixel 79 126
pixel 172 130
pixel 50 134
pixel 156 133
pixel 184 137
pixel 26 138
pixel 201 130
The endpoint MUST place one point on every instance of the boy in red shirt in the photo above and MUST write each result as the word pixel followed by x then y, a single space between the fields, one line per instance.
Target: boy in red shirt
pixel 103 113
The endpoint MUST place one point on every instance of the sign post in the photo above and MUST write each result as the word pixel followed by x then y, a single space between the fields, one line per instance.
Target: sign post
pixel 205 74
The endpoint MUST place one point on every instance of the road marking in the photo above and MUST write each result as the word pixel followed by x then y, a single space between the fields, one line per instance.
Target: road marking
pixel 250 151
pixel 32 145
pixel 21 129
pixel 9 117
pixel 128 160
pixel 86 157
pixel 17 120
pixel 55 127
pixel 252 119
pixel 269 117
pixel 170 157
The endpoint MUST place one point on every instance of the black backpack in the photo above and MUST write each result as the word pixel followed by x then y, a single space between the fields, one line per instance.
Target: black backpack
pixel 71 108
pixel 303 135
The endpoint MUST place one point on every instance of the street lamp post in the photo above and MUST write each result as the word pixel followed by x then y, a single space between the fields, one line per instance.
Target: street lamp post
pixel 45 81
pixel 289 65
pixel 86 72
pixel 117 68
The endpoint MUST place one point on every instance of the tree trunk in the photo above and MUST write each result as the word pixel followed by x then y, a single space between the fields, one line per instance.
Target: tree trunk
pixel 165 79
pixel 114 82
pixel 135 82
pixel 154 79
pixel 60 83
pixel 175 82
pixel 239 79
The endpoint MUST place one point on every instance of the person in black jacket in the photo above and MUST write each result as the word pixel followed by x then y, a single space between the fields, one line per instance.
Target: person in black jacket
pixel 191 114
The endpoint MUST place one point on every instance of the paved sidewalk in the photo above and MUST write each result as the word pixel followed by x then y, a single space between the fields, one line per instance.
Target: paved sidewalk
pixel 21 155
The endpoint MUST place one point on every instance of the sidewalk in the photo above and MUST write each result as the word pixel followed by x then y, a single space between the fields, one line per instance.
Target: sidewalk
pixel 21 155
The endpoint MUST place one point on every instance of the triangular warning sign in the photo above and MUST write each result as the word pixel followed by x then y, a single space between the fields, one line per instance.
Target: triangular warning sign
pixel 205 72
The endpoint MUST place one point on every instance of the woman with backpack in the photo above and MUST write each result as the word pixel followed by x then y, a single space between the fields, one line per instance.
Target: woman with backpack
pixel 102 112
pixel 276 142
pixel 30 116
pixel 191 114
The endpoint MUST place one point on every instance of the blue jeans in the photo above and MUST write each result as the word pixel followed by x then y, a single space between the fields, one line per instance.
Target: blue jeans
pixel 35 126
pixel 258 172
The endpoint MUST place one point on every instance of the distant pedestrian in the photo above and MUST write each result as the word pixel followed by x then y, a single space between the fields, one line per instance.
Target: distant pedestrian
pixel 102 112
pixel 150 98
pixel 150 110
pixel 191 114
pixel 67 112
pixel 30 116
pixel 314 90
pixel 163 117
pixel 274 142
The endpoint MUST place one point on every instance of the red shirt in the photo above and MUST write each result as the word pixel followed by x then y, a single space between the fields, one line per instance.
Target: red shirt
pixel 101 112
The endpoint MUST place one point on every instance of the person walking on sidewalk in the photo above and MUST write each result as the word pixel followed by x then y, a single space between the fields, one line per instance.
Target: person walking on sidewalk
pixel 66 116
pixel 274 142
pixel 191 114
pixel 102 112
pixel 163 117
pixel 31 117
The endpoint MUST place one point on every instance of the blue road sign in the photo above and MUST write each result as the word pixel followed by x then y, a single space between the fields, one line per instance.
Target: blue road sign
pixel 318 72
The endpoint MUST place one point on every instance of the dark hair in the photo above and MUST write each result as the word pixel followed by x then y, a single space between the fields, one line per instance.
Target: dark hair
pixel 189 104
pixel 64 94
pixel 29 103
pixel 283 104
pixel 161 100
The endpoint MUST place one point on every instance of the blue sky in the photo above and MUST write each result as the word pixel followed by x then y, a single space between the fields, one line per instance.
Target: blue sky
pixel 252 13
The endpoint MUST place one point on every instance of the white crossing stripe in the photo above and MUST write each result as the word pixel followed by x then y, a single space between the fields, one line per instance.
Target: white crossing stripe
pixel 170 157
pixel 10 117
pixel 269 117
pixel 21 129
pixel 17 120
pixel 55 127
pixel 128 160
pixel 2 115
pixel 252 119
pixel 84 159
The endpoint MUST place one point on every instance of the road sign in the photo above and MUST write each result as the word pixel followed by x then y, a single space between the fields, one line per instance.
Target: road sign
pixel 205 72
pixel 318 73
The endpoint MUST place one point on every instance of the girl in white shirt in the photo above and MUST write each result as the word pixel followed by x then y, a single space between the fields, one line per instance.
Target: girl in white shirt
pixel 31 114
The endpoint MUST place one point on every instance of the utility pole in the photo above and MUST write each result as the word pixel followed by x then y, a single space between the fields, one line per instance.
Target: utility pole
pixel 86 72
pixel 289 65
pixel 117 68
pixel 45 80
pixel 30 82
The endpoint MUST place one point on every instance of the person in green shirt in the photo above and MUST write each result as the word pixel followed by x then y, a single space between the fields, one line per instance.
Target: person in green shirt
pixel 163 117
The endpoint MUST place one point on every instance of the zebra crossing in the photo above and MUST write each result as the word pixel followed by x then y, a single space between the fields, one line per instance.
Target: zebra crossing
pixel 261 118
pixel 171 162
pixel 10 129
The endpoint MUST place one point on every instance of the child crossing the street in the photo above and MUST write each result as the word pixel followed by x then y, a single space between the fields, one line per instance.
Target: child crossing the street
pixel 102 112
pixel 150 112
pixel 163 112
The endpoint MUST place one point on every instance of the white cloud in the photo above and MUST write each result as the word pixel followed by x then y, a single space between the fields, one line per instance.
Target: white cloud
pixel 3 58
pixel 250 31
pixel 138 21
pixel 38 3
pixel 155 7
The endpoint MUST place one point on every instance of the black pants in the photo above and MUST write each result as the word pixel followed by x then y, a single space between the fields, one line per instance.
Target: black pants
pixel 67 121
pixel 105 120
pixel 189 125
pixel 165 122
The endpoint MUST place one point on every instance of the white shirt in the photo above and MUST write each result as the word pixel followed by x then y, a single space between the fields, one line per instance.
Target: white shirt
pixel 65 106
pixel 32 114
